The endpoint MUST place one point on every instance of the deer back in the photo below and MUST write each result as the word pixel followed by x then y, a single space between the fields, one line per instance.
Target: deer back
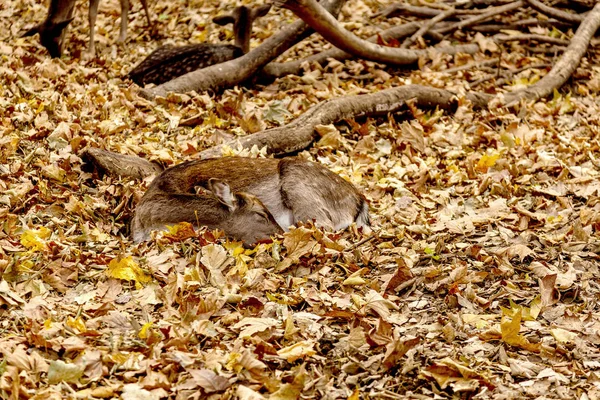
pixel 293 190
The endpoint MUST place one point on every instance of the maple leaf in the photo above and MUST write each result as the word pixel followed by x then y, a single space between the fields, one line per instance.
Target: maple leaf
pixel 128 270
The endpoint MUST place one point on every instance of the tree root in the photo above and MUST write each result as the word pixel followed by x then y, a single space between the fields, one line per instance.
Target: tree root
pixel 320 20
pixel 300 133
pixel 489 14
pixel 554 13
pixel 234 72
pixel 567 63
pixel 275 70
pixel 119 164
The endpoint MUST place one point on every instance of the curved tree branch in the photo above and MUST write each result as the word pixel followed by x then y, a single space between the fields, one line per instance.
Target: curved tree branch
pixel 553 12
pixel 428 25
pixel 320 20
pixel 234 72
pixel 566 65
pixel 490 13
pixel 275 70
pixel 300 133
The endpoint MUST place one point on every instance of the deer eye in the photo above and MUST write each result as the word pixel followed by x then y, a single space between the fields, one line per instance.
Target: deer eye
pixel 263 214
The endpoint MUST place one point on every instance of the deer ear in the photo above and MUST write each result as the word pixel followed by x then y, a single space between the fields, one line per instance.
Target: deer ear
pixel 260 11
pixel 223 193
pixel 32 31
pixel 223 19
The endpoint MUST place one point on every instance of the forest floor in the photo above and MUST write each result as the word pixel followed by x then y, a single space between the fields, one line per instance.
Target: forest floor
pixel 481 279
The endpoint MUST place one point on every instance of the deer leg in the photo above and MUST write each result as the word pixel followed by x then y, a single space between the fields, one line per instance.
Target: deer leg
pixel 93 13
pixel 145 5
pixel 124 13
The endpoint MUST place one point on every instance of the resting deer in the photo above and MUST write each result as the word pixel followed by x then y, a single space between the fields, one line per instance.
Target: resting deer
pixel 60 14
pixel 291 189
pixel 169 62
pixel 239 215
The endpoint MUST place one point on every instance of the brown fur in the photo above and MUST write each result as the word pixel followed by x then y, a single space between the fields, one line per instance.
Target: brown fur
pixel 239 215
pixel 292 189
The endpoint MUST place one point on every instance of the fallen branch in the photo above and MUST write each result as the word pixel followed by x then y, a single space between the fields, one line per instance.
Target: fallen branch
pixel 119 164
pixel 234 72
pixel 506 75
pixel 490 13
pixel 534 37
pixel 320 20
pixel 489 28
pixel 465 67
pixel 566 65
pixel 427 26
pixel 300 133
pixel 399 8
pixel 275 70
pixel 553 12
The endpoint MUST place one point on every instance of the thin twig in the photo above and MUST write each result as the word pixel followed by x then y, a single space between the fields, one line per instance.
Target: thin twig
pixel 537 38
pixel 553 12
pixel 490 13
pixel 427 26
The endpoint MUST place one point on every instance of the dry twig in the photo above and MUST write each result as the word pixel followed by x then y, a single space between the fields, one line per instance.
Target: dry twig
pixel 553 12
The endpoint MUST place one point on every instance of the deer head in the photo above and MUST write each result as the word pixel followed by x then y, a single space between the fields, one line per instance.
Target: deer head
pixel 240 215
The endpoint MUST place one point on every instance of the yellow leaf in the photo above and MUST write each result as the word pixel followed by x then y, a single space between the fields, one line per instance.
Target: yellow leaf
pixel 77 324
pixel 298 350
pixel 144 332
pixel 180 231
pixel 34 239
pixel 354 281
pixel 128 270
pixel 486 161
pixel 510 333
pixel 355 395
pixel 291 391
pixel 480 321
pixel 510 329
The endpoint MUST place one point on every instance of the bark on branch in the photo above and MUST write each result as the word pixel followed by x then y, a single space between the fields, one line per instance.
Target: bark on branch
pixel 275 70
pixel 120 164
pixel 566 65
pixel 492 12
pixel 553 12
pixel 234 72
pixel 320 20
pixel 300 133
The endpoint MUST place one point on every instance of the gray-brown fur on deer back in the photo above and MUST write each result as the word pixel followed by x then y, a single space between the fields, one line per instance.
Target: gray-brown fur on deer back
pixel 169 62
pixel 293 190
pixel 312 191
pixel 239 215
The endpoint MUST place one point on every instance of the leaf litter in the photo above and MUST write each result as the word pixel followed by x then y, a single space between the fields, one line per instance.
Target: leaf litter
pixel 480 279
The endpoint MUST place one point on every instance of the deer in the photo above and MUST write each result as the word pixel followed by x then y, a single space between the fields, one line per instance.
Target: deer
pixel 60 14
pixel 291 190
pixel 240 215
pixel 168 62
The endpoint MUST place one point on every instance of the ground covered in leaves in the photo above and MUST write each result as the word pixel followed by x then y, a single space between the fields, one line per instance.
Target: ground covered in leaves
pixel 480 280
